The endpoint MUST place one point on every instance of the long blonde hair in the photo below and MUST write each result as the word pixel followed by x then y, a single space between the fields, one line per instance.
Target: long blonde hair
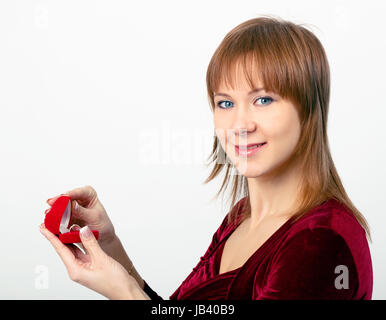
pixel 293 63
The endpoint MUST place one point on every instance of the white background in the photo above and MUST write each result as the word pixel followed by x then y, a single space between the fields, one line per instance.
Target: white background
pixel 85 84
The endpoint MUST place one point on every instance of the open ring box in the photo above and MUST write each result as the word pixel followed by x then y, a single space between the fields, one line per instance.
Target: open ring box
pixel 57 220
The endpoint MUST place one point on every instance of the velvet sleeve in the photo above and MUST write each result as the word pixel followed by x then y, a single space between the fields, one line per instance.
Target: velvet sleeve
pixel 312 264
pixel 151 293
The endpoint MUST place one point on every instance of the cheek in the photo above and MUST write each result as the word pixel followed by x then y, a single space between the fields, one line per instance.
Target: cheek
pixel 284 132
pixel 221 129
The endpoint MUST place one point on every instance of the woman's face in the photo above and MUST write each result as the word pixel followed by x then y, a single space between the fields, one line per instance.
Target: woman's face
pixel 243 116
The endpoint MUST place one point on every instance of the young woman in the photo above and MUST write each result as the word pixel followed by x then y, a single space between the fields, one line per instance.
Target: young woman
pixel 294 234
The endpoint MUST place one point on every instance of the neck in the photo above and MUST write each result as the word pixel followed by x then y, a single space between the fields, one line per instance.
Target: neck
pixel 273 196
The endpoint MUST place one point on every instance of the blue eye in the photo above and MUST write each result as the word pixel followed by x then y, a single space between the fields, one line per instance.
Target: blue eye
pixel 264 101
pixel 220 102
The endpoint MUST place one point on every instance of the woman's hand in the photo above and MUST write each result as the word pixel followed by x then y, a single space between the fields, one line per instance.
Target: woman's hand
pixel 88 210
pixel 95 269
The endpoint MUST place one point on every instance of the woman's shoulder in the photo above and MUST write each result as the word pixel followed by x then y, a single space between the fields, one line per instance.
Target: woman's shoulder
pixel 330 226
pixel 331 217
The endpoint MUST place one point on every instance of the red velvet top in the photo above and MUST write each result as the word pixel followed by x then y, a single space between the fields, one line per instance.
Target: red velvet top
pixel 299 261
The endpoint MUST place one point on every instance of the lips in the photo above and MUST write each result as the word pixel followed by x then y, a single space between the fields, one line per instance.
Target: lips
pixel 247 152
pixel 249 146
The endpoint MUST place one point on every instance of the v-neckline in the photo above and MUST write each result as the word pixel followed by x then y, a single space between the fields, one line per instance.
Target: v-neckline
pixel 217 253
pixel 221 245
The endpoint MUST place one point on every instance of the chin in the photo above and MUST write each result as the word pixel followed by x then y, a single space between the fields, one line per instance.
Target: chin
pixel 251 174
pixel 249 170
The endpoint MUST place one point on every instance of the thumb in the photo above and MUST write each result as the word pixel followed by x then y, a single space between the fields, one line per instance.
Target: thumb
pixel 77 210
pixel 90 243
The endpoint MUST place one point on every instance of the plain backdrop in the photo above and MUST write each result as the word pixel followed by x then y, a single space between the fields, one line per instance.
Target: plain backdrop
pixel 112 94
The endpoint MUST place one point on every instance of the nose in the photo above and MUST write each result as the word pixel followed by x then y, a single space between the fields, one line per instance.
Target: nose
pixel 243 124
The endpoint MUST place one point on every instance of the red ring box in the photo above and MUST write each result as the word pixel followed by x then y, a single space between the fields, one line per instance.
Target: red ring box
pixel 57 220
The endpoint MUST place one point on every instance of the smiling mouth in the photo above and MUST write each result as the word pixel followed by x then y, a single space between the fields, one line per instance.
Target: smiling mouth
pixel 252 149
pixel 249 146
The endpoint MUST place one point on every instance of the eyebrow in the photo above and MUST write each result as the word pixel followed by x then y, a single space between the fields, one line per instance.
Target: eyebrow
pixel 249 93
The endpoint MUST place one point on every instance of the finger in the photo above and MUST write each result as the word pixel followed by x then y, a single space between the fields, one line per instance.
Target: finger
pixel 78 211
pixel 84 195
pixel 63 251
pixel 90 243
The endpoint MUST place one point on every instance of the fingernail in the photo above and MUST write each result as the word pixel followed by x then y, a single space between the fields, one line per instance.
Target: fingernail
pixel 86 232
pixel 76 206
